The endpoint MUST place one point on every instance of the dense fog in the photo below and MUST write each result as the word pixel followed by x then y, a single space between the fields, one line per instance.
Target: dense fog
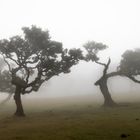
pixel 114 23
pixel 79 84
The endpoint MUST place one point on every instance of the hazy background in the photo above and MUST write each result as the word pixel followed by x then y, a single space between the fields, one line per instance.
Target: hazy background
pixel 73 22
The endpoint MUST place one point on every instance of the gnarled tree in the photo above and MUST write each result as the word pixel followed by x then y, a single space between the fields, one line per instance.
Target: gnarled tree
pixel 92 49
pixel 129 67
pixel 33 59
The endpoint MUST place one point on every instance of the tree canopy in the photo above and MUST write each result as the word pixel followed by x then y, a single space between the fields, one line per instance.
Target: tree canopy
pixel 130 62
pixel 92 49
pixel 35 58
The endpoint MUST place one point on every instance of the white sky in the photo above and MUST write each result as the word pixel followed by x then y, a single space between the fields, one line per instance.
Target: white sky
pixel 73 22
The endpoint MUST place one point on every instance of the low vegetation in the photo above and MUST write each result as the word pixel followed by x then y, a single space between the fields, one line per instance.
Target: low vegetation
pixel 71 122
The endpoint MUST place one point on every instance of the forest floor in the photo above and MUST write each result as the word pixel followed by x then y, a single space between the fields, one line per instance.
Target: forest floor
pixel 71 122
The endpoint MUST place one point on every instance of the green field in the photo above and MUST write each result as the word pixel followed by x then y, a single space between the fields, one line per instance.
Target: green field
pixel 71 122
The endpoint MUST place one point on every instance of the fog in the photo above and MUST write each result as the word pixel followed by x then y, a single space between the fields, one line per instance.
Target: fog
pixel 79 86
pixel 114 23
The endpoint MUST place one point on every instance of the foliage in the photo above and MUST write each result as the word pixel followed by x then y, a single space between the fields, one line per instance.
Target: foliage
pixel 5 82
pixel 34 58
pixel 92 49
pixel 130 62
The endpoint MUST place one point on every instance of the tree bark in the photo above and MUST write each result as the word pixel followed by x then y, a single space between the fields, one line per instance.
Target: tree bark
pixel 19 108
pixel 102 83
pixel 108 101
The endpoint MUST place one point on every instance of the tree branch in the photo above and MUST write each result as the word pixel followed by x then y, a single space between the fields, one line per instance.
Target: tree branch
pixel 7 64
pixel 133 79
pixel 12 59
pixel 103 64
pixel 106 67
pixel 28 74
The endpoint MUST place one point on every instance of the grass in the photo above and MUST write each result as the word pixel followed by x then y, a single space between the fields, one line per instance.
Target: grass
pixel 72 122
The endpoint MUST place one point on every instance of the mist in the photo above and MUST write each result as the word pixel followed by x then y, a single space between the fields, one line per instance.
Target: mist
pixel 115 23
pixel 79 85
pixel 69 69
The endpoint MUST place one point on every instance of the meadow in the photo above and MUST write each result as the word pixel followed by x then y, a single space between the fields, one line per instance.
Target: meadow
pixel 70 121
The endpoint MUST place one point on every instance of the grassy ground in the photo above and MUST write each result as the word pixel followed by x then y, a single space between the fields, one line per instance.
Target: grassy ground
pixel 72 122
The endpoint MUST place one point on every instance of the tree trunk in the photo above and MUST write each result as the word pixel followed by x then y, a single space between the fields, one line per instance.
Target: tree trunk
pixel 108 101
pixel 19 109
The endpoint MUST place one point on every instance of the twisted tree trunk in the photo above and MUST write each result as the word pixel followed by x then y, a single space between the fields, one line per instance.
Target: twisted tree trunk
pixel 102 83
pixel 19 107
pixel 108 101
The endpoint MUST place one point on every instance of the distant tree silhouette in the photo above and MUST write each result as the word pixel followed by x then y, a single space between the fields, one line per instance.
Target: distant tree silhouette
pixel 33 59
pixel 5 82
pixel 130 64
pixel 6 86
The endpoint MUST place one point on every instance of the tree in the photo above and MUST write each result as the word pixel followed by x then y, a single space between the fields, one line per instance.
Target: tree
pixel 92 49
pixel 130 64
pixel 129 67
pixel 33 59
